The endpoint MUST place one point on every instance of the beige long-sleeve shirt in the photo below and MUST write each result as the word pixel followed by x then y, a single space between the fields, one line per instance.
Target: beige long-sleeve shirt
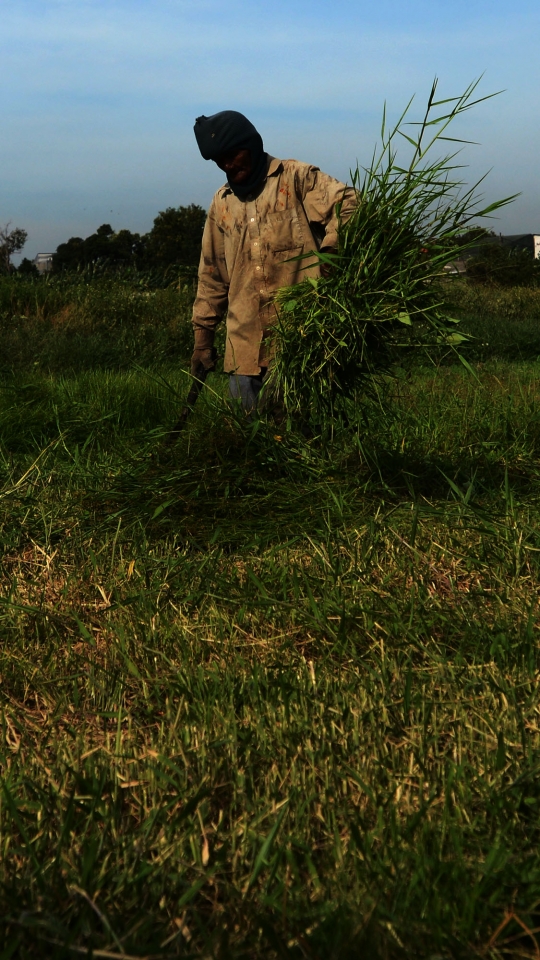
pixel 247 248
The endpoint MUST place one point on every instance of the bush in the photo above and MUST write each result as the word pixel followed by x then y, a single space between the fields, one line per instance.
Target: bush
pixel 498 265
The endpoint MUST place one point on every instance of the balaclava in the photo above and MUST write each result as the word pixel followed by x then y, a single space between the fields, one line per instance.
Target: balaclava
pixel 230 130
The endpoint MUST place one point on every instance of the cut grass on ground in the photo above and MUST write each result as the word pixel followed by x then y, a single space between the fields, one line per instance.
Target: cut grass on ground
pixel 265 700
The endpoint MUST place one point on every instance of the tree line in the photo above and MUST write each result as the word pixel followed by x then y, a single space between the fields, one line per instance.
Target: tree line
pixel 174 241
pixel 492 262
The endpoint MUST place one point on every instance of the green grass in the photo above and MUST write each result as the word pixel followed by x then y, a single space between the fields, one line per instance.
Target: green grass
pixel 503 322
pixel 259 698
pixel 78 322
pixel 264 699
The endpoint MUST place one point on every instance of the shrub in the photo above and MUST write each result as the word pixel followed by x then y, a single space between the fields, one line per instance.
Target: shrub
pixel 498 265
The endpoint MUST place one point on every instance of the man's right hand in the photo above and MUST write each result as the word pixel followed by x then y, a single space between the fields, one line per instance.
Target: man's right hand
pixel 204 358
pixel 204 354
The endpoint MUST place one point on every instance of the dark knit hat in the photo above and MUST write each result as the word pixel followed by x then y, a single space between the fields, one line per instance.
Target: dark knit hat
pixel 230 130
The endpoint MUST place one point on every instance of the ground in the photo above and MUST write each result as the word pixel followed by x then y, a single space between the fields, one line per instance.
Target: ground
pixel 264 698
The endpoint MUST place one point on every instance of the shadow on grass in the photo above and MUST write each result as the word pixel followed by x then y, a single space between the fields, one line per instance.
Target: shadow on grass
pixel 245 482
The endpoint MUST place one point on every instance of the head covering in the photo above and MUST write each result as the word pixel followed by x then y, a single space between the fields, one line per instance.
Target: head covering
pixel 230 130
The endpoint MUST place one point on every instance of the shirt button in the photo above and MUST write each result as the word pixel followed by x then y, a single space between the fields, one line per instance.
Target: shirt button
pixel 253 220
pixel 257 268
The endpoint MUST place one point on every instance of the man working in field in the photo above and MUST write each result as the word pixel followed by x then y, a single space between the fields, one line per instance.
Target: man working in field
pixel 268 212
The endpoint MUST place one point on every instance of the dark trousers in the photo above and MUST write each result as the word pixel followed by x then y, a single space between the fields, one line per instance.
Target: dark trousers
pixel 246 389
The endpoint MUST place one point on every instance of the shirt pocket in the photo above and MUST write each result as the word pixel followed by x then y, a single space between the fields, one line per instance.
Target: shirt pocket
pixel 282 232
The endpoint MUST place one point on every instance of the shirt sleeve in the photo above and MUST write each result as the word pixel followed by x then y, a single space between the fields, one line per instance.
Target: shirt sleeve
pixel 213 283
pixel 320 196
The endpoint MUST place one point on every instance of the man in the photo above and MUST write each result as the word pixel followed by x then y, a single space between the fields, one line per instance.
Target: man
pixel 269 212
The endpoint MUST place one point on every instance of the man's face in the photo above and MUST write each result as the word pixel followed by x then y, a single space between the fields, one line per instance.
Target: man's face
pixel 236 164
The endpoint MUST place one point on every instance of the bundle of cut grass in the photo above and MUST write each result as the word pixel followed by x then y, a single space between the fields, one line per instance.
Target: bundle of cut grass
pixel 337 336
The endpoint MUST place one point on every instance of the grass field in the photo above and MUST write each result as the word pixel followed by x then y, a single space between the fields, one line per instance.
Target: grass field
pixel 262 699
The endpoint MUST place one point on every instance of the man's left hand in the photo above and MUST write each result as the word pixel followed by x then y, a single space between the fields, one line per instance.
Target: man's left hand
pixel 326 268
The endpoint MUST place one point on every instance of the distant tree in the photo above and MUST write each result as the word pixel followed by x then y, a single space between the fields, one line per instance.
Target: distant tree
pixel 175 238
pixel 28 268
pixel 476 235
pixel 126 247
pixel 11 241
pixel 503 266
pixel 490 260
pixel 103 247
pixel 69 255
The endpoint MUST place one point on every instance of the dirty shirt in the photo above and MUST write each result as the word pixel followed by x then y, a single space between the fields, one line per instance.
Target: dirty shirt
pixel 247 248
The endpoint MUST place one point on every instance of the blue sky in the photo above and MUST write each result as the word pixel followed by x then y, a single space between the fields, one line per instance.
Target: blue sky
pixel 98 110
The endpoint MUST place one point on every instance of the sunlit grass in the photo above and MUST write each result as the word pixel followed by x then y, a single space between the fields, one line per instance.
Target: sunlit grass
pixel 263 697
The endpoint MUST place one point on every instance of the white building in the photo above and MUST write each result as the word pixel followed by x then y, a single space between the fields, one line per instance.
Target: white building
pixel 43 262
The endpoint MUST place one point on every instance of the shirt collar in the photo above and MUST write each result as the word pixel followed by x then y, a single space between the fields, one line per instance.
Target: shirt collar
pixel 274 166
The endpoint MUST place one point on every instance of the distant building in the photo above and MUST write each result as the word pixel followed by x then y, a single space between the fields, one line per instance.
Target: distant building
pixel 43 262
